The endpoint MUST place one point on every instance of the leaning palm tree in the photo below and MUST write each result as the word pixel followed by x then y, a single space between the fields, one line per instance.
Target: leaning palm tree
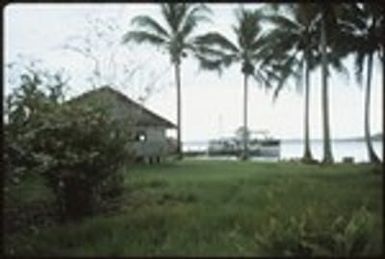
pixel 364 25
pixel 216 52
pixel 293 33
pixel 176 37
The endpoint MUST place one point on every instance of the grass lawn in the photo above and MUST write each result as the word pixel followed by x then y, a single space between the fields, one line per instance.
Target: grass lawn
pixel 219 208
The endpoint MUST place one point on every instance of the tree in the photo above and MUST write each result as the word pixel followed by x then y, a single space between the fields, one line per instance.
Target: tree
pixel 330 26
pixel 364 25
pixel 294 35
pixel 216 52
pixel 23 106
pixel 176 38
pixel 324 11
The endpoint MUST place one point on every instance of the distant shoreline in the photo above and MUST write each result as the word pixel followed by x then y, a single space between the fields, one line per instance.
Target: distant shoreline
pixel 374 138
pixel 335 140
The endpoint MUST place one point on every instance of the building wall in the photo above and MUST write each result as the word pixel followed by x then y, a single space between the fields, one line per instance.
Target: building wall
pixel 155 145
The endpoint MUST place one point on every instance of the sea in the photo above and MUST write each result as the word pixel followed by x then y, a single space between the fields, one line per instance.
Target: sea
pixel 293 149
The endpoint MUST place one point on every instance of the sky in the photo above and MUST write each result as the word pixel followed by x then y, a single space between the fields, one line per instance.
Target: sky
pixel 212 105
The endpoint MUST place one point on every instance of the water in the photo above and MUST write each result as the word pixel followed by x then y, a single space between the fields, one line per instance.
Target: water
pixel 340 149
pixel 294 149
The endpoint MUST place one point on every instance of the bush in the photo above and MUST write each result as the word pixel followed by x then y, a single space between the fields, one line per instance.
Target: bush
pixel 80 150
pixel 76 148
pixel 305 237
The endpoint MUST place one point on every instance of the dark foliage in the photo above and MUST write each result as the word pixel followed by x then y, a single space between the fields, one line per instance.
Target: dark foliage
pixel 77 149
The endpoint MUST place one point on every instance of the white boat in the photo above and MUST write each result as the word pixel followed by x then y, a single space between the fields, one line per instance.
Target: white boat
pixel 261 144
pixel 224 146
pixel 264 145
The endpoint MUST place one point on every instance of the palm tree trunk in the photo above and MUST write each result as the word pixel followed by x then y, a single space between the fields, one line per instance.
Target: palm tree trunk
pixel 245 155
pixel 328 158
pixel 372 155
pixel 307 156
pixel 178 99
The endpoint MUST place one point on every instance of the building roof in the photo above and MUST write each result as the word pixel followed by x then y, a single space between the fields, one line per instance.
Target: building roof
pixel 147 117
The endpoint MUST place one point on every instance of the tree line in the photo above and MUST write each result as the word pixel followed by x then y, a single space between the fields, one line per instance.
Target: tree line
pixel 302 37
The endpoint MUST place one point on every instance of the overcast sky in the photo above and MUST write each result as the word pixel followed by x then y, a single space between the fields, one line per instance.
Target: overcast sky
pixel 211 105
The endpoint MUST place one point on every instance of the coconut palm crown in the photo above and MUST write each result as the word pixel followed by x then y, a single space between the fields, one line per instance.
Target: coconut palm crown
pixel 363 37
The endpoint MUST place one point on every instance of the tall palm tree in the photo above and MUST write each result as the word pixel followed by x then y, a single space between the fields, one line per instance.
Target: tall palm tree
pixel 216 52
pixel 364 25
pixel 176 37
pixel 294 34
pixel 329 26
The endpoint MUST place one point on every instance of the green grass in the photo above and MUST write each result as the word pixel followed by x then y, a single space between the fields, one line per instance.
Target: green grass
pixel 219 208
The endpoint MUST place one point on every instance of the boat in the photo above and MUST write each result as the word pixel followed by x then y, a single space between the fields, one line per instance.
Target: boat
pixel 261 144
pixel 224 147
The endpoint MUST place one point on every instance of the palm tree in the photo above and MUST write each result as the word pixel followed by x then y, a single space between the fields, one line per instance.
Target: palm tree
pixel 329 27
pixel 216 52
pixel 176 38
pixel 295 35
pixel 364 25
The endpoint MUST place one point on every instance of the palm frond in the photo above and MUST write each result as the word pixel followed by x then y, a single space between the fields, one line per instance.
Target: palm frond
pixel 193 17
pixel 168 13
pixel 173 13
pixel 151 24
pixel 209 52
pixel 306 13
pixel 181 10
pixel 299 74
pixel 283 22
pixel 338 65
pixel 199 12
pixel 290 67
pixel 359 64
pixel 210 64
pixel 143 36
pixel 275 43
pixel 354 18
pixel 362 25
pixel 248 27
pixel 216 40
pixel 265 78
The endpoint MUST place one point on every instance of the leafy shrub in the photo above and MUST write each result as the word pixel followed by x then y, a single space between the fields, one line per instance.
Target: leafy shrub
pixel 305 237
pixel 76 148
